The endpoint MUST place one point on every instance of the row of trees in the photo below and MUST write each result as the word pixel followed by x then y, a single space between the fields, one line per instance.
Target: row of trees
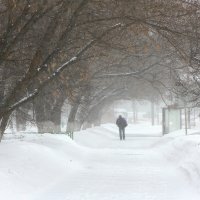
pixel 91 52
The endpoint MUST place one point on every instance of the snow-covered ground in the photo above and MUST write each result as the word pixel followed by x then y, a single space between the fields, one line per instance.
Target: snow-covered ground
pixel 98 166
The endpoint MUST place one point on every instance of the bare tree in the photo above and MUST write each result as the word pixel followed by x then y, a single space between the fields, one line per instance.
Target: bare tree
pixel 40 41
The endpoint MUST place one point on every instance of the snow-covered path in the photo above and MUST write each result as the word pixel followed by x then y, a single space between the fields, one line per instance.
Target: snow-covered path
pixel 137 175
pixel 121 170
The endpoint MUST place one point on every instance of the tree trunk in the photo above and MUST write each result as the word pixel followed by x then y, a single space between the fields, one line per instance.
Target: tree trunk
pixel 81 116
pixel 4 122
pixel 48 120
pixel 152 113
pixel 189 118
pixel 56 119
pixel 94 116
pixel 157 114
pixel 71 126
pixel 48 111
pixel 20 121
pixel 42 122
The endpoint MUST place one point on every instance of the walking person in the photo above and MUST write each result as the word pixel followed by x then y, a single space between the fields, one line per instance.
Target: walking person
pixel 121 123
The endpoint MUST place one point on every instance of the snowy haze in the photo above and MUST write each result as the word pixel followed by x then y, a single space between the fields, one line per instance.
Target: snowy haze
pixel 69 69
pixel 97 165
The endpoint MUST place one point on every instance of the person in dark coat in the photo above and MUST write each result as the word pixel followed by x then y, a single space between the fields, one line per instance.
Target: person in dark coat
pixel 121 123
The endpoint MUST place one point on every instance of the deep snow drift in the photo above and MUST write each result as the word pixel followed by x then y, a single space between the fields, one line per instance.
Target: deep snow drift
pixel 97 166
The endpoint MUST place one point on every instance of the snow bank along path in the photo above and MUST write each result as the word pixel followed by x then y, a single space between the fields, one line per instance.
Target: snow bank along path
pixel 97 166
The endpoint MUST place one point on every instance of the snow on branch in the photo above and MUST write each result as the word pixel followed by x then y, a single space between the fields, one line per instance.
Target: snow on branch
pixel 23 100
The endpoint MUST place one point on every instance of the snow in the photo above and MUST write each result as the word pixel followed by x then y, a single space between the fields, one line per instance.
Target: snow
pixel 24 99
pixel 66 64
pixel 98 166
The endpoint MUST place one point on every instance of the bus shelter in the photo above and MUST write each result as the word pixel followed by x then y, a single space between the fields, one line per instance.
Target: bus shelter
pixel 172 119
